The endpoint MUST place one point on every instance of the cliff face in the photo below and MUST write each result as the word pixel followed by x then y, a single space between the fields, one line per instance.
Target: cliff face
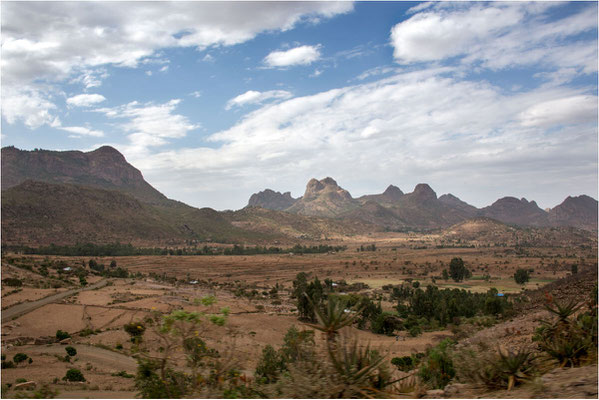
pixel 272 200
pixel 103 168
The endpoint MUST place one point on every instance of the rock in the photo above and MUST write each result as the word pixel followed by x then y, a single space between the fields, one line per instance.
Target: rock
pixel 454 389
pixel 25 385
pixel 435 394
pixel 66 341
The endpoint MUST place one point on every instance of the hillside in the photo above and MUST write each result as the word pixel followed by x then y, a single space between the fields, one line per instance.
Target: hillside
pixel 580 211
pixel 487 231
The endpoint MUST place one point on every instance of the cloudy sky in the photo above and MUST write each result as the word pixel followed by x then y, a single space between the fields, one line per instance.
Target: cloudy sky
pixel 216 101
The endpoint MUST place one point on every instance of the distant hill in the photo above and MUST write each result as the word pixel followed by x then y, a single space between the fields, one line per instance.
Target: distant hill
pixel 483 230
pixel 40 213
pixel 422 210
pixel 580 211
pixel 518 212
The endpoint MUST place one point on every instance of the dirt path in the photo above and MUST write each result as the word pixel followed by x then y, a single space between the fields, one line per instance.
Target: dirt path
pixel 110 360
pixel 24 308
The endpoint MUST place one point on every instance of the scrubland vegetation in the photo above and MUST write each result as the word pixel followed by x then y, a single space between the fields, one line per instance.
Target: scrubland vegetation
pixel 381 321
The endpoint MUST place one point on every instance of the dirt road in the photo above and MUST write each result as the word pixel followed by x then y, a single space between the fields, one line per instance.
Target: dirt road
pixel 24 308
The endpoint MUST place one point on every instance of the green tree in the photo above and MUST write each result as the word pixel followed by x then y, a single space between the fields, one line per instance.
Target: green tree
pixel 270 365
pixel 457 270
pixel 521 276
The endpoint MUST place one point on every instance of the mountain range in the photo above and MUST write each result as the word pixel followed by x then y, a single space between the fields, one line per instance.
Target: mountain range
pixel 422 209
pixel 97 196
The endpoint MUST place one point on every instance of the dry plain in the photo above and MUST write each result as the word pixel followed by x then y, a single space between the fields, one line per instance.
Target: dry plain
pixel 95 318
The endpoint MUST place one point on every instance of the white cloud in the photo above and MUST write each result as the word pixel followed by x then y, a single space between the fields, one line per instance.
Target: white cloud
pixel 497 35
pixel 302 55
pixel 411 127
pixel 208 58
pixel 197 94
pixel 85 100
pixel 568 110
pixel 72 41
pixel 164 69
pixel 255 97
pixel 149 124
pixel 81 131
pixel 316 73
pixel 28 105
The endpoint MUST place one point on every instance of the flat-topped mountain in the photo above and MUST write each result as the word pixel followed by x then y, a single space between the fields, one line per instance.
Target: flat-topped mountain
pixel 103 168
pixel 271 200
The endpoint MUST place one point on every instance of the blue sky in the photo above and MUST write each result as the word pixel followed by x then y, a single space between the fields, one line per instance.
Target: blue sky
pixel 215 101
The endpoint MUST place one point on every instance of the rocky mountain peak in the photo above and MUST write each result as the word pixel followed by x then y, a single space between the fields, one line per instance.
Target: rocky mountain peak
pixel 393 192
pixel 424 192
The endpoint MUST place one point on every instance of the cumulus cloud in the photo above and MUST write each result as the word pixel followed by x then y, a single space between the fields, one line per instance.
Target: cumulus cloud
pixel 149 124
pixel 85 100
pixel 255 97
pixel 415 126
pixel 302 55
pixel 79 131
pixel 74 40
pixel 497 35
pixel 28 105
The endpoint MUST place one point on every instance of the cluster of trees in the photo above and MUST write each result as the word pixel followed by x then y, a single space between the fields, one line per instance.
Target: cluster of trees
pixel 119 249
pixel 445 305
pixel 370 247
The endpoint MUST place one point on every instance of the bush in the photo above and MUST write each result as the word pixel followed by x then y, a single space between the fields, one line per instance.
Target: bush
pixel 20 357
pixel 74 375
pixel 7 364
pixel 12 282
pixel 61 335
pixel 437 369
pixel 71 351
pixel 270 365
pixel 521 276
pixel 136 330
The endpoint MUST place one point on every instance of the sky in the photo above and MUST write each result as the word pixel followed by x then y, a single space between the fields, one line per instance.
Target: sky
pixel 214 101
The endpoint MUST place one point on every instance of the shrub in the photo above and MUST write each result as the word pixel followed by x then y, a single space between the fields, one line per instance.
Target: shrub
pixel 71 351
pixel 73 375
pixel 570 341
pixel 61 335
pixel 14 282
pixel 270 365
pixel 20 357
pixel 7 364
pixel 437 369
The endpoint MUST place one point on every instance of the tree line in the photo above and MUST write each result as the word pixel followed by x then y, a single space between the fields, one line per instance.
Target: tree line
pixel 119 249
